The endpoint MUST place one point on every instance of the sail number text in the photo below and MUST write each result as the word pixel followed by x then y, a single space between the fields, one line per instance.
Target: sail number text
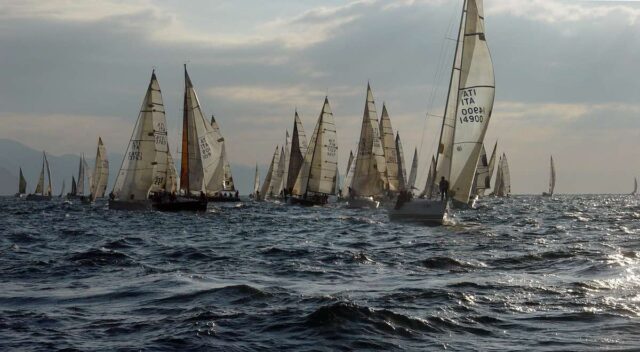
pixel 469 112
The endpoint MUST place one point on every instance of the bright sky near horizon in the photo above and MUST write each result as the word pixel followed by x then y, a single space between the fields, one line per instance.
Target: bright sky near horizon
pixel 567 77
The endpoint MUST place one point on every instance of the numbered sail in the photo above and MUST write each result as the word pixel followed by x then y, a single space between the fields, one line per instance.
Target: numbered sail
pixel 475 97
pixel 22 184
pixel 318 171
pixel 390 151
pixel 100 172
pixel 202 147
pixel 144 167
pixel 402 169
pixel 370 174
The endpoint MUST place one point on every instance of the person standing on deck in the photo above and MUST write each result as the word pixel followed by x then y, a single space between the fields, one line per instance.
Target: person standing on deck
pixel 444 189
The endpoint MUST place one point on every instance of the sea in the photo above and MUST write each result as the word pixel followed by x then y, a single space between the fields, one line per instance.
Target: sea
pixel 524 273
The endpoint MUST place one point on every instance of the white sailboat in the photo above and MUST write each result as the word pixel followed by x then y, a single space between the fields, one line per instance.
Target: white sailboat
pixel 635 186
pixel 467 113
pixel 256 185
pixel 297 152
pixel 413 174
pixel 316 180
pixel 390 151
pixel 202 169
pixel 369 182
pixel 502 187
pixel 22 186
pixel 402 169
pixel 552 179
pixel 268 185
pixel 100 173
pixel 223 178
pixel 483 178
pixel 42 193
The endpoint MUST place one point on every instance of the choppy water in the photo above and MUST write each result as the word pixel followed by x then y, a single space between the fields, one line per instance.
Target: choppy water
pixel 524 273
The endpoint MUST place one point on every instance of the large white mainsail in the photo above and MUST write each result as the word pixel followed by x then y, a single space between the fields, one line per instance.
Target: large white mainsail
pixel 201 147
pixel 144 167
pixel 267 186
pixel 298 150
pixel 475 96
pixel 100 172
pixel 390 150
pixel 402 169
pixel 413 174
pixel 370 174
pixel 318 172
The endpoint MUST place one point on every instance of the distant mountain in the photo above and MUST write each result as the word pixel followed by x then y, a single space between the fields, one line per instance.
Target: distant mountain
pixel 14 155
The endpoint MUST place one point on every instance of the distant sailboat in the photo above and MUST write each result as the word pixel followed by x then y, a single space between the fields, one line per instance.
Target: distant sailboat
pixel 349 174
pixel 42 193
pixel 413 174
pixel 143 180
pixel 297 152
pixel 227 190
pixel 390 152
pixel 369 182
pixel 316 180
pixel 502 187
pixel 483 178
pixel 256 185
pixel 22 186
pixel 467 113
pixel 635 186
pixel 100 177
pixel 552 179
pixel 78 186
pixel 402 169
pixel 268 185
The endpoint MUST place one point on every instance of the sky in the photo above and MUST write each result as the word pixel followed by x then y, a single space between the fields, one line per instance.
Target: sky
pixel 567 76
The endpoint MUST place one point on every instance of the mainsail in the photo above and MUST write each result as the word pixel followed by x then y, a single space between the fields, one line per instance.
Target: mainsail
pixel 286 161
pixel 80 184
pixel 22 184
pixel 202 147
pixel 100 172
pixel 171 185
pixel 411 184
pixel 370 174
pixel 390 151
pixel 277 177
pixel 402 169
pixel 144 167
pixel 502 187
pixel 49 191
pixel 318 172
pixel 298 150
pixel 40 186
pixel 256 182
pixel 635 186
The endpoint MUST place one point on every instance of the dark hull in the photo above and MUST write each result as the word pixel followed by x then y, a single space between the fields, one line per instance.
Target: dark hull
pixel 305 202
pixel 130 205
pixel 545 194
pixel 181 204
pixel 223 199
pixel 38 197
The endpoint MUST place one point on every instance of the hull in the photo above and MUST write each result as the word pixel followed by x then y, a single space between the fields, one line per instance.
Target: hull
pixel 38 197
pixel 20 195
pixel 420 210
pixel 545 194
pixel 223 199
pixel 307 202
pixel 180 204
pixel 362 203
pixel 130 205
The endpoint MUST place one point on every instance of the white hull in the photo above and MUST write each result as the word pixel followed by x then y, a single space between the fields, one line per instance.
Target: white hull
pixel 362 203
pixel 420 210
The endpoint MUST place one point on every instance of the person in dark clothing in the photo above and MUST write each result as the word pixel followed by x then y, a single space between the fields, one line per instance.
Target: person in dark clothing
pixel 444 189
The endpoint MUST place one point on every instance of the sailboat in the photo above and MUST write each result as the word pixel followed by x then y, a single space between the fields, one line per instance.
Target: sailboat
pixel 267 191
pixel 467 113
pixel 413 174
pixel 62 190
pixel 78 186
pixel 635 186
pixel 41 193
pixel 348 176
pixel 227 191
pixel 402 169
pixel 255 195
pixel 143 181
pixel 370 182
pixel 98 185
pixel 22 186
pixel 297 151
pixel 316 180
pixel 552 179
pixel 483 178
pixel 502 187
